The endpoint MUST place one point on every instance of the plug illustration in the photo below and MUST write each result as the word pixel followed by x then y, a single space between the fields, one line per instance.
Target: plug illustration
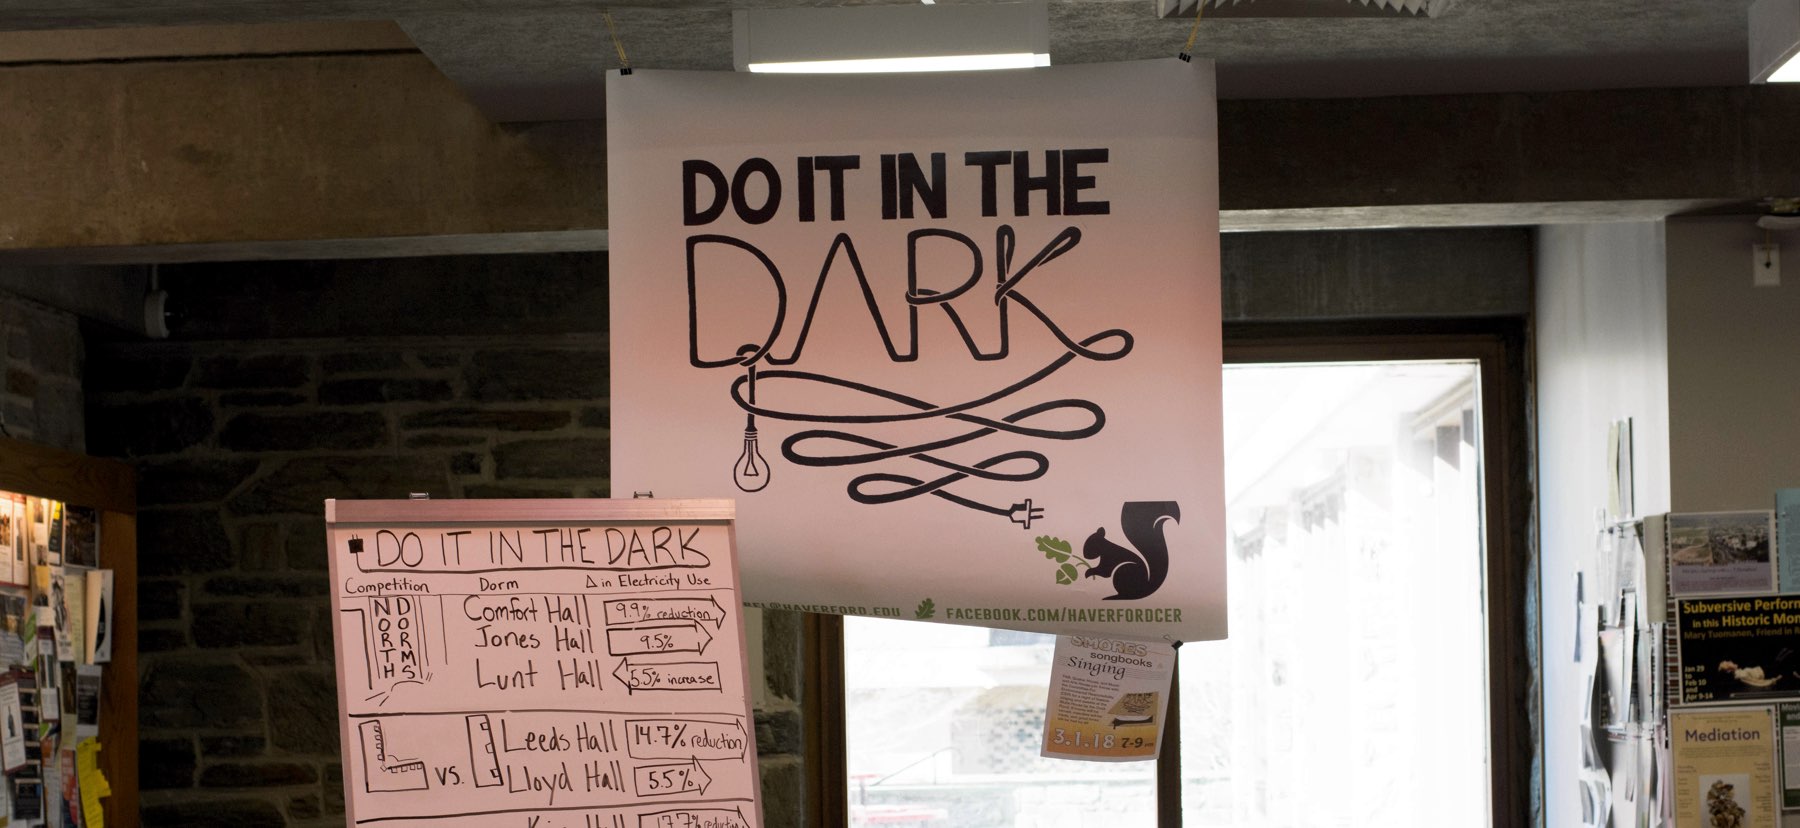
pixel 1024 513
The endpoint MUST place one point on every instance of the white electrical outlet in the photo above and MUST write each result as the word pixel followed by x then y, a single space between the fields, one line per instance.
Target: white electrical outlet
pixel 1765 265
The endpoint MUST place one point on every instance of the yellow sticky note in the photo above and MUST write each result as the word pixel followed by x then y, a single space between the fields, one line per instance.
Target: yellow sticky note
pixel 93 782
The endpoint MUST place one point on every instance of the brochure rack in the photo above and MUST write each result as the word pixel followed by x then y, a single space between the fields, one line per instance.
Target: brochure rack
pixel 1691 641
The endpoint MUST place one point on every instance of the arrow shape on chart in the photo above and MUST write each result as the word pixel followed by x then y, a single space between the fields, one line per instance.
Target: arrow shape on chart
pixel 687 738
pixel 717 816
pixel 700 772
pixel 638 610
pixel 659 637
pixel 671 779
pixel 672 676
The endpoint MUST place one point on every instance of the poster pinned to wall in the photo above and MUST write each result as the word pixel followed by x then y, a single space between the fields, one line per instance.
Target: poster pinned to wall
pixel 97 645
pixel 81 536
pixel 1721 553
pixel 1737 649
pixel 12 726
pixel 1724 764
pixel 1788 716
pixel 20 571
pixel 1109 699
pixel 954 350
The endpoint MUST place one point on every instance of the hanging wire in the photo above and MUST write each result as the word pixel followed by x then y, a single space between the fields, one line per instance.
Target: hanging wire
pixel 1193 33
pixel 613 30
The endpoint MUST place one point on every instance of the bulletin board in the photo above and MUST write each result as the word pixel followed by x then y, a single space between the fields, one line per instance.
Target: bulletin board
pixel 549 662
pixel 108 489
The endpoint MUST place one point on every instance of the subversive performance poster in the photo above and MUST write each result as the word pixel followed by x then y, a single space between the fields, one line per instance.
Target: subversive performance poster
pixel 1739 648
pixel 951 340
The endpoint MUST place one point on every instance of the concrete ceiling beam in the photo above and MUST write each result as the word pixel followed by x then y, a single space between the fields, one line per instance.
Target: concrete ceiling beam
pixel 285 156
pixel 277 150
pixel 1618 145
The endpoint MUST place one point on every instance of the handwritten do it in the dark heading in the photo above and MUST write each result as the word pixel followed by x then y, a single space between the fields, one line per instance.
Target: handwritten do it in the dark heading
pixel 1058 182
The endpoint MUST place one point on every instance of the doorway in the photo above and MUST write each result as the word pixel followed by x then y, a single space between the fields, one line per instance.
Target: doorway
pixel 1379 671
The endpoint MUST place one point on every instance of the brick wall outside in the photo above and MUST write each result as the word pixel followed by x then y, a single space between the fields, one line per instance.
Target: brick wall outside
pixel 238 443
pixel 42 400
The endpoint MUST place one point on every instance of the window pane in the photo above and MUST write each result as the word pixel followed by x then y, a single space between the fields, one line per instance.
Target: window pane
pixel 944 724
pixel 1352 691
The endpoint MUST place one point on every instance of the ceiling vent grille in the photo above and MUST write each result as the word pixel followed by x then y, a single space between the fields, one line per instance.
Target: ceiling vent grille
pixel 1304 8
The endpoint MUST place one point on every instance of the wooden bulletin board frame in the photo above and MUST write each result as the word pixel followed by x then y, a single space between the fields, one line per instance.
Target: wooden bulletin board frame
pixel 110 487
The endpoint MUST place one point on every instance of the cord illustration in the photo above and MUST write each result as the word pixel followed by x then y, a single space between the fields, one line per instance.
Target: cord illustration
pixel 835 445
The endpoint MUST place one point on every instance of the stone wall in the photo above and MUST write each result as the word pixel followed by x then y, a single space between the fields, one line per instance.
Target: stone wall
pixel 239 440
pixel 42 366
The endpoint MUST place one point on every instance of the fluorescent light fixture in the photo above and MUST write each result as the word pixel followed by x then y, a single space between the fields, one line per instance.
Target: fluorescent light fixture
pixel 1774 41
pixel 893 38
pixel 941 63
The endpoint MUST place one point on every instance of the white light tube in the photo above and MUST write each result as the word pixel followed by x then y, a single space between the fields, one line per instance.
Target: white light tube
pixel 942 63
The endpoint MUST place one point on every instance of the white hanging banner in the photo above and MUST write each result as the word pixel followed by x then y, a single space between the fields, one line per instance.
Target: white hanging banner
pixel 951 340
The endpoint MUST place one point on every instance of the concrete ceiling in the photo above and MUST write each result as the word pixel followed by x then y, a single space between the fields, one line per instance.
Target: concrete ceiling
pixel 544 59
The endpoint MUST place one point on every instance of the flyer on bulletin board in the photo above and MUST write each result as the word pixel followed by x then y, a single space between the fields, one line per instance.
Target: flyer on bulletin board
pixel 1721 553
pixel 1738 649
pixel 1789 715
pixel 1724 768
pixel 1108 698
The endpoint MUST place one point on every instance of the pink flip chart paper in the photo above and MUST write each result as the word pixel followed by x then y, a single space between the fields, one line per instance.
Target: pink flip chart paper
pixel 541 662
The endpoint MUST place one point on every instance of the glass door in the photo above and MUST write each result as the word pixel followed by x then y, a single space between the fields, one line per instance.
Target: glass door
pixel 1353 688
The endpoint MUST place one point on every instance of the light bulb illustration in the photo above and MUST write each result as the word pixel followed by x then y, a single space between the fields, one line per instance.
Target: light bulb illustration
pixel 751 471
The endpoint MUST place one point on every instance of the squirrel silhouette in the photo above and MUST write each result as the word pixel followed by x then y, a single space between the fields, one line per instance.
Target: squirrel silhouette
pixel 1134 573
